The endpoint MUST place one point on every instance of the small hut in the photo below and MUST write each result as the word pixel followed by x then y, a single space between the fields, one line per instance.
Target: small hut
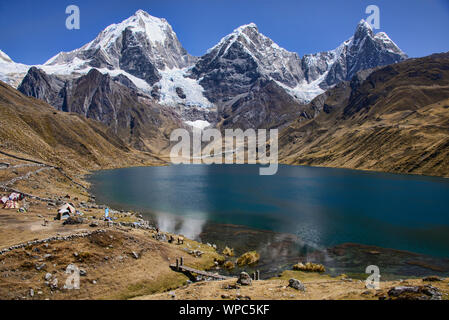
pixel 65 211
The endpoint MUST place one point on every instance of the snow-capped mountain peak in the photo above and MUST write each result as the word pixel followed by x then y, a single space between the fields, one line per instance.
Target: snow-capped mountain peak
pixel 10 71
pixel 146 50
pixel 4 57
pixel 242 57
pixel 364 26
pixel 155 30
pixel 141 45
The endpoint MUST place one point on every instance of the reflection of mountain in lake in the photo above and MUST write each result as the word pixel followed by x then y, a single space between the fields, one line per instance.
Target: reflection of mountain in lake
pixel 188 227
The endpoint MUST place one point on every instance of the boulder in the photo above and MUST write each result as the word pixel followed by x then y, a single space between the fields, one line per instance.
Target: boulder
pixel 54 284
pixel 40 266
pixel 296 284
pixel 244 279
pixel 432 279
pixel 426 292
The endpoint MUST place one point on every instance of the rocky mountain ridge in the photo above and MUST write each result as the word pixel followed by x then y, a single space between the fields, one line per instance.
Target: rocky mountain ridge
pixel 146 50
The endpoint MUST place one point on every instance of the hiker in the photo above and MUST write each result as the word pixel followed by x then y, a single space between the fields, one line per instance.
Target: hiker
pixel 106 215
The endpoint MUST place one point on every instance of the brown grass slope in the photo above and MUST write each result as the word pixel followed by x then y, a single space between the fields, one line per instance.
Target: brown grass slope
pixel 33 128
pixel 396 120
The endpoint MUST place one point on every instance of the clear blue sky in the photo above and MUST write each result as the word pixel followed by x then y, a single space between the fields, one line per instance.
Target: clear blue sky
pixel 33 31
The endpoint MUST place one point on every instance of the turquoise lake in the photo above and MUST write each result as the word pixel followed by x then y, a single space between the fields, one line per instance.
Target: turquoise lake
pixel 299 211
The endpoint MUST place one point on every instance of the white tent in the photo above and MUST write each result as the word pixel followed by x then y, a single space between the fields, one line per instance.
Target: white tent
pixel 65 211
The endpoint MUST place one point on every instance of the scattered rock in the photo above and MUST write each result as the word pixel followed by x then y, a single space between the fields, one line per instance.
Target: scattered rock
pixel 240 297
pixel 367 293
pixel 48 276
pixel 54 284
pixel 296 284
pixel 244 279
pixel 135 255
pixel 426 292
pixel 432 279
pixel 31 293
pixel 225 296
pixel 234 286
pixel 40 266
pixel 73 220
pixel 93 224
pixel 83 272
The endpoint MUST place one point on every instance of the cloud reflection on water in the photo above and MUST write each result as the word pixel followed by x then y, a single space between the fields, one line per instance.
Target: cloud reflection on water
pixel 188 226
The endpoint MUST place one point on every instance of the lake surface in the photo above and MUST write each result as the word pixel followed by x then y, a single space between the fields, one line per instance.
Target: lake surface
pixel 296 213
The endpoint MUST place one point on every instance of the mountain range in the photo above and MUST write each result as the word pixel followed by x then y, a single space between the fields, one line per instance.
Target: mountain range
pixel 363 105
pixel 393 119
pixel 223 87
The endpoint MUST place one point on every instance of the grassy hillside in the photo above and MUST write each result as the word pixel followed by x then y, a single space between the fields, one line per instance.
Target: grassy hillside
pixel 396 120
pixel 33 128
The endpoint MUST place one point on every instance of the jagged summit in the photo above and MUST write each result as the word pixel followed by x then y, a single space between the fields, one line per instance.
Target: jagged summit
pixel 241 58
pixel 364 25
pixel 141 45
pixel 155 30
pixel 244 65
pixel 364 50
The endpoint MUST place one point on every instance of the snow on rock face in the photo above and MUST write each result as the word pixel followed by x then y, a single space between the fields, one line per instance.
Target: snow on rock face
pixel 4 57
pixel 198 124
pixel 141 45
pixel 176 88
pixel 241 58
pixel 11 72
pixel 364 50
pixel 146 50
